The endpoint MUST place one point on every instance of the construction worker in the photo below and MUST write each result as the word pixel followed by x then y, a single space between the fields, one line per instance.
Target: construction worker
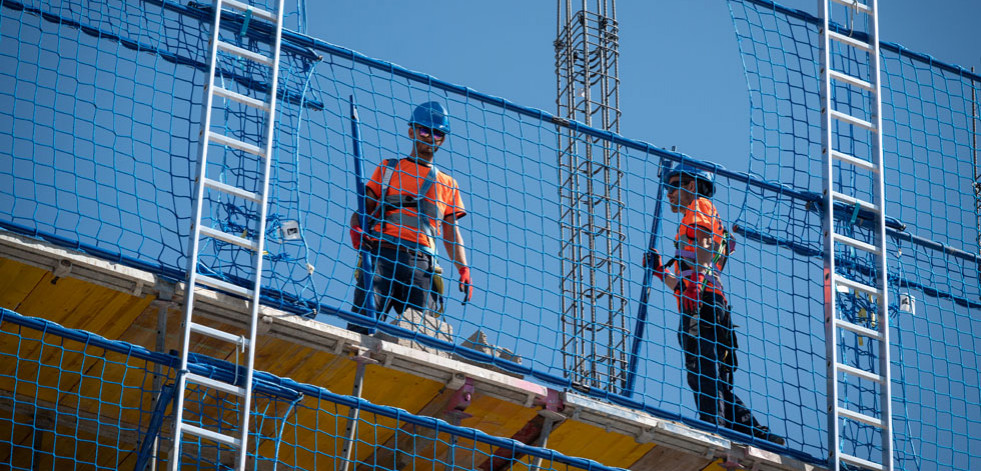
pixel 706 333
pixel 411 204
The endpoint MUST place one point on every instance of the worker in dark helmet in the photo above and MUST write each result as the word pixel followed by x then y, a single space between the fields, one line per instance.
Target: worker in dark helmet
pixel 706 333
pixel 412 204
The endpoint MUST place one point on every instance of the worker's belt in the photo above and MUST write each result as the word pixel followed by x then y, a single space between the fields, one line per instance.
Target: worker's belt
pixel 402 248
pixel 712 280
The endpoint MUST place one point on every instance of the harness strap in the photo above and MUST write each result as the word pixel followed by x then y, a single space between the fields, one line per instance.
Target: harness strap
pixel 425 209
pixel 713 278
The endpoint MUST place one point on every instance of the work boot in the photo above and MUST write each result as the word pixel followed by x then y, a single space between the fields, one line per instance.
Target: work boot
pixel 764 433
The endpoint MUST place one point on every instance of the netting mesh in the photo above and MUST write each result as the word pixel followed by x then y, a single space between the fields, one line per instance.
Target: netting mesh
pixel 930 120
pixel 103 103
pixel 80 401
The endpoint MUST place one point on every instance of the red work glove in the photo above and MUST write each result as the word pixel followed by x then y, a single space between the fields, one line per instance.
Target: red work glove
pixel 691 299
pixel 652 259
pixel 356 235
pixel 466 284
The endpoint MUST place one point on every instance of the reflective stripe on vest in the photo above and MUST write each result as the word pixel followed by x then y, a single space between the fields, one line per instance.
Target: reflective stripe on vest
pixel 714 278
pixel 392 212
pixel 685 252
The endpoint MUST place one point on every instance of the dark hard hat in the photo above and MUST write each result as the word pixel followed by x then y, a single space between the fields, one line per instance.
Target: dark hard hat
pixel 704 180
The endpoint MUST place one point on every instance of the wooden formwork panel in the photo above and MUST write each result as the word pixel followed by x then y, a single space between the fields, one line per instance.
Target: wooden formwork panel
pixel 121 303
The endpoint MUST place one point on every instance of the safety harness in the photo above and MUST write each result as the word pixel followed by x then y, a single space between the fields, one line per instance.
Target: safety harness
pixel 389 211
pixel 725 334
pixel 687 260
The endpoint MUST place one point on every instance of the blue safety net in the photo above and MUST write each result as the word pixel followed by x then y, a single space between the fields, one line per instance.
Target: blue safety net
pixel 930 146
pixel 81 401
pixel 104 105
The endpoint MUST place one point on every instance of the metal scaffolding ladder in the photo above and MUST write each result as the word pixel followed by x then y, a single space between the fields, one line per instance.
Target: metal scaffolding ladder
pixel 834 282
pixel 241 385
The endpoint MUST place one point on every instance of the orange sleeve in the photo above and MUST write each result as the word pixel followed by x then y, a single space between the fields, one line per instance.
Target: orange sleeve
pixel 450 195
pixel 374 184
pixel 701 214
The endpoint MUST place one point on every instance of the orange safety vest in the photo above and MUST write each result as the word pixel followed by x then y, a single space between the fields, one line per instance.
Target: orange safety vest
pixel 413 200
pixel 701 214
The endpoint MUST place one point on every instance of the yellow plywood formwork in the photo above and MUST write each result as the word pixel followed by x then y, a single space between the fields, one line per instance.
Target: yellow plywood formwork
pixel 17 280
pixel 87 435
pixel 588 441
pixel 73 303
pixel 662 458
pixel 121 303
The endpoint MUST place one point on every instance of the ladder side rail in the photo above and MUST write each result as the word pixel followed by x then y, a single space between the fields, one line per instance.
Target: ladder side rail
pixel 261 230
pixel 883 275
pixel 830 288
pixel 831 118
pixel 192 261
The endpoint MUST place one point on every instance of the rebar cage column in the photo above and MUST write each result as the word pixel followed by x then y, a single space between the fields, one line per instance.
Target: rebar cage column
pixel 594 303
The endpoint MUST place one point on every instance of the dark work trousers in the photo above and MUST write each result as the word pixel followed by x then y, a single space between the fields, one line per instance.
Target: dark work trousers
pixel 710 347
pixel 403 279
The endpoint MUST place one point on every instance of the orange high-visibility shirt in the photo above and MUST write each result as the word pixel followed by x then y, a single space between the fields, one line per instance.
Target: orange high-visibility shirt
pixel 406 178
pixel 699 215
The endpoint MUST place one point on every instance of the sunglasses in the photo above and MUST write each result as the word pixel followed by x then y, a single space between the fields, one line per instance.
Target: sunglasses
pixel 427 132
pixel 672 187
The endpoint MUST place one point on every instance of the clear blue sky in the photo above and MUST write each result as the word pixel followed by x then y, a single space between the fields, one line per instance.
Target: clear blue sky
pixel 681 78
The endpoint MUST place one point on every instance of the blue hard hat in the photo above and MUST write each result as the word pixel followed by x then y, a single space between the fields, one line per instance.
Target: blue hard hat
pixel 431 115
pixel 705 181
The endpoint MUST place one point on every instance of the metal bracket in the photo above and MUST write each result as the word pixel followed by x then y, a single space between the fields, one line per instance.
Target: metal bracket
pixel 646 435
pixel 553 400
pixel 457 381
pixel 362 356
pixel 63 268
pixel 165 292
pixel 458 403
pixel 730 460
pixel 137 289
pixel 553 417
pixel 265 324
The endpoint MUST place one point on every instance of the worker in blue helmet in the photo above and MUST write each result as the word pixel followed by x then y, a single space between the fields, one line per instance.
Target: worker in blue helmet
pixel 706 333
pixel 411 205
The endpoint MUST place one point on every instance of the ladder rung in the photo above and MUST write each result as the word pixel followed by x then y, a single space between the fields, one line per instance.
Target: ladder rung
pixel 849 41
pixel 843 77
pixel 213 436
pixel 854 460
pixel 857 244
pixel 856 285
pixel 852 120
pixel 257 12
pixel 219 334
pixel 859 417
pixel 873 334
pixel 232 190
pixel 245 100
pixel 859 373
pixel 224 286
pixel 235 143
pixel 850 3
pixel 852 201
pixel 245 53
pixel 854 161
pixel 231 239
pixel 215 384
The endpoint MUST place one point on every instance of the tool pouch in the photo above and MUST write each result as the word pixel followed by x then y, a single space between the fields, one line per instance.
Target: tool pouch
pixel 357 271
pixel 438 290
